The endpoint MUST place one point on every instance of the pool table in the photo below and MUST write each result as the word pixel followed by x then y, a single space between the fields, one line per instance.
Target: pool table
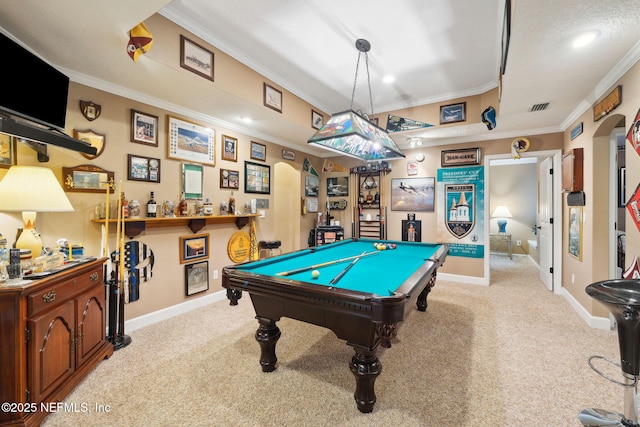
pixel 364 307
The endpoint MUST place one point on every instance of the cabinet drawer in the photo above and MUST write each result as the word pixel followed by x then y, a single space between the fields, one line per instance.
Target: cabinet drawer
pixel 58 293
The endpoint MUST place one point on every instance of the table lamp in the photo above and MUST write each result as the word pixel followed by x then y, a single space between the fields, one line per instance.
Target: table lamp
pixel 501 213
pixel 31 189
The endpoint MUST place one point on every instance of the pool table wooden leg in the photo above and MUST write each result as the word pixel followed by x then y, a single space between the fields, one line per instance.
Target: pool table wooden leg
pixel 233 296
pixel 366 367
pixel 422 298
pixel 267 336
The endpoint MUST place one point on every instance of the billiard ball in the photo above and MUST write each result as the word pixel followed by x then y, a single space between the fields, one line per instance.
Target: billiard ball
pixel 315 274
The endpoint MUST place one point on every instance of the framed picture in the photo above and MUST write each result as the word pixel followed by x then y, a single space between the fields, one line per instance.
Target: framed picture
pixel 453 113
pixel 311 204
pixel 196 58
pixel 192 178
pixel 194 247
pixel 338 186
pixel 190 141
pixel 317 120
pixel 229 148
pixel 144 128
pixel 258 151
pixel 311 186
pixel 229 179
pixel 196 277
pixel 413 194
pixel 272 98
pixel 463 157
pixel 575 232
pixel 288 154
pixel 88 179
pixel 96 140
pixel 412 168
pixel 411 230
pixel 8 154
pixel 257 178
pixel 142 168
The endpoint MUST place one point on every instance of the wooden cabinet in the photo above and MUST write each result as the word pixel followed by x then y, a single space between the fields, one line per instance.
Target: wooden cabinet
pixel 370 210
pixel 572 170
pixel 52 334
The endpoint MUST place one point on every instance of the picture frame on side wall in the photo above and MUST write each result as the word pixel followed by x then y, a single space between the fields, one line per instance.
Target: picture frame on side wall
pixel 575 232
pixel 8 154
pixel 196 278
pixel 190 141
pixel 257 178
pixel 258 151
pixel 141 168
pixel 453 113
pixel 272 98
pixel 196 58
pixel 144 128
pixel 194 247
pixel 229 148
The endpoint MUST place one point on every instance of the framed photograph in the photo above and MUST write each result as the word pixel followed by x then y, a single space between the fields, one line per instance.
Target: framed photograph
pixel 258 151
pixel 413 194
pixel 311 204
pixel 144 128
pixel 97 140
pixel 272 98
pixel 229 179
pixel 141 168
pixel 8 154
pixel 288 154
pixel 463 157
pixel 196 58
pixel 575 232
pixel 194 247
pixel 190 141
pixel 88 179
pixel 453 113
pixel 196 278
pixel 412 168
pixel 317 120
pixel 257 178
pixel 338 186
pixel 192 178
pixel 229 148
pixel 311 186
pixel 411 230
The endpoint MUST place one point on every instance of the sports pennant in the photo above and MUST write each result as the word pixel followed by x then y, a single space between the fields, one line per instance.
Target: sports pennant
pixel 140 41
pixel 308 167
pixel 633 135
pixel 329 166
pixel 399 124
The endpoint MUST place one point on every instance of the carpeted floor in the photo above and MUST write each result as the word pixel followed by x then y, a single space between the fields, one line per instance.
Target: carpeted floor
pixel 511 354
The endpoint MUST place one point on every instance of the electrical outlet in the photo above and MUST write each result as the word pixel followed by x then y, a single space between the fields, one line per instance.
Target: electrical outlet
pixel 518 242
pixel 215 274
pixel 262 213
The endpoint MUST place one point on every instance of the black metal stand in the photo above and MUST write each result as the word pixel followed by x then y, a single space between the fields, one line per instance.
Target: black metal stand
pixel 116 333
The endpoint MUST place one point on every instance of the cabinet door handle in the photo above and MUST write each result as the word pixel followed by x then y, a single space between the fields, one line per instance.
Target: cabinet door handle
pixel 94 276
pixel 49 296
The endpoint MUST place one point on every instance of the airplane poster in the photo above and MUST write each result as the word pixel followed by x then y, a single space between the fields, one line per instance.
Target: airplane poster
pixel 413 194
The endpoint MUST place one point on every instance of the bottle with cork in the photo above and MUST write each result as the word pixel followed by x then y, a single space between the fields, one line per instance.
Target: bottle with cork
pixel 152 207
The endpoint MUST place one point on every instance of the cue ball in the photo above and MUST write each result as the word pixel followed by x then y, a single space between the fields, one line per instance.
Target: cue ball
pixel 315 274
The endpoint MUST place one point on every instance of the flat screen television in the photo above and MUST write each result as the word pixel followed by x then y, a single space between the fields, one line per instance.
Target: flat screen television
pixel 39 90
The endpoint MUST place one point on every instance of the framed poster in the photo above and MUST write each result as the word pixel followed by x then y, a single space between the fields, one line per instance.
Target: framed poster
pixel 272 98
pixel 338 186
pixel 196 58
pixel 190 141
pixel 575 232
pixel 453 113
pixel 229 148
pixel 194 247
pixel 311 186
pixel 258 151
pixel 144 128
pixel 413 194
pixel 229 179
pixel 192 179
pixel 196 278
pixel 141 168
pixel 257 178
pixel 8 155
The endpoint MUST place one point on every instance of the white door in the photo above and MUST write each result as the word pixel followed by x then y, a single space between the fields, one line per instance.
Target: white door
pixel 545 222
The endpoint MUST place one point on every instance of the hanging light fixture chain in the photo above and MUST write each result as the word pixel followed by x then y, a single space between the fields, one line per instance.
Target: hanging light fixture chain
pixel 355 81
pixel 366 61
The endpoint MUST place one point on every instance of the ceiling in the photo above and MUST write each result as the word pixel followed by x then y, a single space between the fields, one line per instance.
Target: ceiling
pixel 436 50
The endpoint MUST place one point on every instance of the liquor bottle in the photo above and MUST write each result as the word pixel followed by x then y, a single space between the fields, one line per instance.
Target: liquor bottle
pixel 151 207
pixel 125 206
pixel 232 205
pixel 183 208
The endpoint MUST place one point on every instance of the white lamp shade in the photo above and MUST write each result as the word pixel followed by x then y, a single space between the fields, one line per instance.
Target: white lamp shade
pixel 32 188
pixel 501 212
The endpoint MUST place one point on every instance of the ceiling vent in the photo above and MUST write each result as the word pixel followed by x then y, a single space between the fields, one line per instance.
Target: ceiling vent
pixel 540 107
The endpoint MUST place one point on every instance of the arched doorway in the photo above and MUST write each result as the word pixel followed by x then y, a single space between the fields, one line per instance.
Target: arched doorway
pixel 286 206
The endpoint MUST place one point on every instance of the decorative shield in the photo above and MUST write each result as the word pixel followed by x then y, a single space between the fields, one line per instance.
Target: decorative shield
pixel 460 215
pixel 90 110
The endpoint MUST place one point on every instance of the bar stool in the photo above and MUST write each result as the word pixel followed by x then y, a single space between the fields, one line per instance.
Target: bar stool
pixel 268 247
pixel 622 298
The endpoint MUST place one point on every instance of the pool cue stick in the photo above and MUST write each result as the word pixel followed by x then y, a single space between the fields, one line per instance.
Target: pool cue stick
pixel 324 264
pixel 343 272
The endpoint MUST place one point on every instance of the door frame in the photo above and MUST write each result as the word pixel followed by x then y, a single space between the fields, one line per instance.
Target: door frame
pixel 557 211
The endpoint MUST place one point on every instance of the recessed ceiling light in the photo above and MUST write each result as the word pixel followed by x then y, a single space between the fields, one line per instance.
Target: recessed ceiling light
pixel 246 119
pixel 585 39
pixel 388 79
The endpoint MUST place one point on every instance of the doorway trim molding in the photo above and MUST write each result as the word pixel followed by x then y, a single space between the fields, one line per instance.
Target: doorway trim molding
pixel 557 211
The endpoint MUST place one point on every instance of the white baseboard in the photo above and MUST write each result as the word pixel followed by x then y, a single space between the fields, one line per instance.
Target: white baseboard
pixel 471 280
pixel 174 310
pixel 595 322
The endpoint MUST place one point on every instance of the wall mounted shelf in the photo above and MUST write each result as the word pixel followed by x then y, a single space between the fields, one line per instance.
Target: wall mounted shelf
pixel 135 226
